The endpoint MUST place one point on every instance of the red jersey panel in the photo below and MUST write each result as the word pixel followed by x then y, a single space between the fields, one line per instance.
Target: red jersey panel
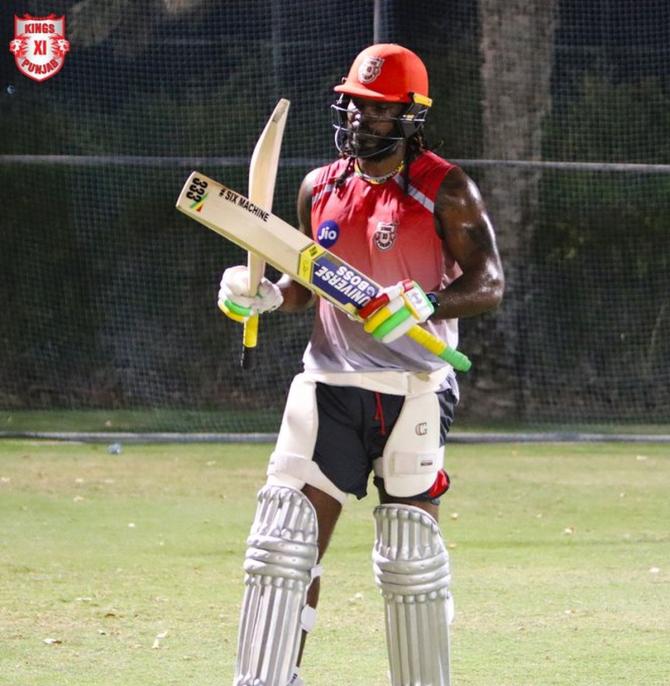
pixel 388 234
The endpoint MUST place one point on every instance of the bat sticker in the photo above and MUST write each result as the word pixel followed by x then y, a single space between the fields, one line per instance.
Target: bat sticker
pixel 327 273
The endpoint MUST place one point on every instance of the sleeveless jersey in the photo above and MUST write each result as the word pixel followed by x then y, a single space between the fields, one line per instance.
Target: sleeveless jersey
pixel 389 235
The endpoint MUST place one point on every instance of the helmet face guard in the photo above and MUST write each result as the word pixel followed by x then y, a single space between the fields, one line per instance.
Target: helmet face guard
pixel 354 143
pixel 385 72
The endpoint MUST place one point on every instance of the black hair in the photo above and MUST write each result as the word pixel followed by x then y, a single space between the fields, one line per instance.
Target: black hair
pixel 347 170
pixel 415 146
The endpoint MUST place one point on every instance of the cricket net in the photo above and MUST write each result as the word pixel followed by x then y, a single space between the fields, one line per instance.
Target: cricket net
pixel 559 112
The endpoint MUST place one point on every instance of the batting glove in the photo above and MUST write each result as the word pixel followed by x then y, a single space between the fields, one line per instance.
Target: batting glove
pixel 234 299
pixel 395 310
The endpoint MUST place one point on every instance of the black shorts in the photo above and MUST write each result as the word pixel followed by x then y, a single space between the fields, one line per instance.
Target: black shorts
pixel 354 425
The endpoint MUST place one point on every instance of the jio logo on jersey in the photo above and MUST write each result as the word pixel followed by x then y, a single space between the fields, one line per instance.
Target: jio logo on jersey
pixel 327 233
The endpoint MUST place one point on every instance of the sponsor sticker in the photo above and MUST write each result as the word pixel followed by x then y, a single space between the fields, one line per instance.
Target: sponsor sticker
pixel 342 283
pixel 327 233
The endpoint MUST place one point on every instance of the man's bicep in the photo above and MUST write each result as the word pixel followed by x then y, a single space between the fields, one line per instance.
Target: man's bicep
pixel 471 242
pixel 467 231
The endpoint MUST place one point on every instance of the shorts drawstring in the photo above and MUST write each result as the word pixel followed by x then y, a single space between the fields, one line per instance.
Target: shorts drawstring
pixel 379 415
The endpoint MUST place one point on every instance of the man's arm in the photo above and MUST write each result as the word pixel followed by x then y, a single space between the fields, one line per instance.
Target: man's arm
pixel 296 296
pixel 467 235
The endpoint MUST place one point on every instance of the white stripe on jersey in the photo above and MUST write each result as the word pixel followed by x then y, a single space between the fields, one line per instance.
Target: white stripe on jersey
pixel 416 194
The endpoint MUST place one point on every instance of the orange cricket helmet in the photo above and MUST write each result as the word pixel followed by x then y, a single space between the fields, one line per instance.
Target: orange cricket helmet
pixel 384 72
pixel 388 72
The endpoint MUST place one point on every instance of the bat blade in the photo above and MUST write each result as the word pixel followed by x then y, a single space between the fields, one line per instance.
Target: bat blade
pixel 262 178
pixel 290 251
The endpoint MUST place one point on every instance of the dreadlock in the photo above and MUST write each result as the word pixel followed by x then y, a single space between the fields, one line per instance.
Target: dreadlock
pixel 415 146
pixel 347 170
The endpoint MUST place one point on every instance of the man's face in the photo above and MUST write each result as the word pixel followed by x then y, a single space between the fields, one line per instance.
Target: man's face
pixel 367 118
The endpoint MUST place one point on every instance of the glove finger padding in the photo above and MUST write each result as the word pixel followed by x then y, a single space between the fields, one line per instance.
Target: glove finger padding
pixel 268 297
pixel 396 310
pixel 234 300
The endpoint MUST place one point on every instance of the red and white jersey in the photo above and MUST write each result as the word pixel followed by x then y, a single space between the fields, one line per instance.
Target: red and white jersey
pixel 389 235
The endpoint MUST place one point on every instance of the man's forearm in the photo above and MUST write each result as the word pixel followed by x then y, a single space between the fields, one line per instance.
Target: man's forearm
pixel 471 294
pixel 296 297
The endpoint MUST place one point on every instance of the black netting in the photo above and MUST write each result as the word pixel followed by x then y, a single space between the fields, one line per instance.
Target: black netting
pixel 109 294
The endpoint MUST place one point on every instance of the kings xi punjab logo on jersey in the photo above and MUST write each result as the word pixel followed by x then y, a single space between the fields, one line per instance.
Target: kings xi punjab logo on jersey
pixel 369 69
pixel 39 45
pixel 384 236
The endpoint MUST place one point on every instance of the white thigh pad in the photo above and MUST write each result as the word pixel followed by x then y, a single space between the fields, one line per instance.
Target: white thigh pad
pixel 291 463
pixel 412 456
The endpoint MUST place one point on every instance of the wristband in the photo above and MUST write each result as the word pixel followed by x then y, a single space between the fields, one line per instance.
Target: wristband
pixel 433 299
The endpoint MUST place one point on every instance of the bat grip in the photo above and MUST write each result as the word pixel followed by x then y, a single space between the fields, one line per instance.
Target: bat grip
pixel 249 341
pixel 438 347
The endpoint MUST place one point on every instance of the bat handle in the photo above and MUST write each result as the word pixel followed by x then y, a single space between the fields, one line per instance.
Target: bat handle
pixel 249 341
pixel 438 347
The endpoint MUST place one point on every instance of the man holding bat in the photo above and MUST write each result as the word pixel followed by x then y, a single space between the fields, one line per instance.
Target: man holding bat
pixel 370 399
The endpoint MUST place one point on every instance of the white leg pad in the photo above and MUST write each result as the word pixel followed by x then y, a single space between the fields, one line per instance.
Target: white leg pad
pixel 411 567
pixel 280 563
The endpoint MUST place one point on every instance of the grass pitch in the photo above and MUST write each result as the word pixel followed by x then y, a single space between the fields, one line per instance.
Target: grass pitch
pixel 126 569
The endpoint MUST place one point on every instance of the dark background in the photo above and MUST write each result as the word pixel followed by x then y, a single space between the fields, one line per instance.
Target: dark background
pixel 109 295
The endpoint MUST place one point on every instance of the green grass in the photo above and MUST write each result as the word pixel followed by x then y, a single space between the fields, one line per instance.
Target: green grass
pixel 149 420
pixel 560 555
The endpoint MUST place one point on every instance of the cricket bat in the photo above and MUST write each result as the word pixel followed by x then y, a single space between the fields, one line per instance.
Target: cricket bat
pixel 262 177
pixel 290 251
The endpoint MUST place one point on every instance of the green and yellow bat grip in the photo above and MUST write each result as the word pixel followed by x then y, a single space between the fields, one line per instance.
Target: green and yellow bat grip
pixel 249 340
pixel 438 347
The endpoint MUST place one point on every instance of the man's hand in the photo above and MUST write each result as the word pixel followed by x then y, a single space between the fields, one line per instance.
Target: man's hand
pixel 234 301
pixel 395 311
